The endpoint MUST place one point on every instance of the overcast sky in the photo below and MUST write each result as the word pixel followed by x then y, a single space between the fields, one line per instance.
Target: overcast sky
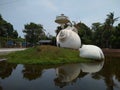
pixel 21 12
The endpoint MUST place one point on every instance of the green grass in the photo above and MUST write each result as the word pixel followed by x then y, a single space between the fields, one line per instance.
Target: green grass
pixel 45 54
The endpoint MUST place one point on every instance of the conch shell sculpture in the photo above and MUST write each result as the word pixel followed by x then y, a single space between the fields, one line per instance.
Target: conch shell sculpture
pixel 68 38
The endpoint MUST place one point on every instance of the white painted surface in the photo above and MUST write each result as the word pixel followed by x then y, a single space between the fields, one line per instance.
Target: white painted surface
pixel 91 51
pixel 68 38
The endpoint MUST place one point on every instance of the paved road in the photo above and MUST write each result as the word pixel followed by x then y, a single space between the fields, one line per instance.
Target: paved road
pixel 8 50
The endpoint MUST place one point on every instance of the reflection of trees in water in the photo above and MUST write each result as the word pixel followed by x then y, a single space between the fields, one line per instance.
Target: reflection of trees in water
pixel 32 72
pixel 110 70
pixel 59 83
pixel 1 88
pixel 82 74
pixel 6 69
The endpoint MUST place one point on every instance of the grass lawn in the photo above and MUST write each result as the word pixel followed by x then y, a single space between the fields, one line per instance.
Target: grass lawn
pixel 45 54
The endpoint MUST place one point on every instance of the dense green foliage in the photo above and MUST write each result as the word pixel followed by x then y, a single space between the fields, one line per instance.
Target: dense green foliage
pixel 6 29
pixel 34 32
pixel 7 32
pixel 45 55
pixel 106 35
pixel 85 33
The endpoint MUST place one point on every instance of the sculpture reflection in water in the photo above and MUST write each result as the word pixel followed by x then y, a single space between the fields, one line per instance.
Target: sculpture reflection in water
pixel 69 73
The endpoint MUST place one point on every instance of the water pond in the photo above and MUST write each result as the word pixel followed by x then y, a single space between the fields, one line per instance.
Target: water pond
pixel 104 75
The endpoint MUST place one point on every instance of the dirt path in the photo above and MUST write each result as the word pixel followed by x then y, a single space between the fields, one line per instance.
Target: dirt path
pixel 8 50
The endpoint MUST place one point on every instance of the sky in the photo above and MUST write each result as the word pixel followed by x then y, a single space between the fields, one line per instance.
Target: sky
pixel 44 12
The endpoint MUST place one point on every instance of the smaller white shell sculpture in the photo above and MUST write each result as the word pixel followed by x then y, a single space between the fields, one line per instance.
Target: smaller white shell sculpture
pixel 91 51
pixel 68 38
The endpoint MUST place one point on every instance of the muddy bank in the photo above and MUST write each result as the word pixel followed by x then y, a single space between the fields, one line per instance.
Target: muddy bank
pixel 112 52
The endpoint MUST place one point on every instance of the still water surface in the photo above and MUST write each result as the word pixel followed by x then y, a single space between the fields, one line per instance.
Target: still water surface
pixel 104 75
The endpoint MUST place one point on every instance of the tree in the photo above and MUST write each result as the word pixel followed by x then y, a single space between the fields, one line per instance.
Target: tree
pixel 108 29
pixel 96 26
pixel 97 29
pixel 6 29
pixel 15 34
pixel 58 30
pixel 34 32
pixel 3 29
pixel 84 32
pixel 116 38
pixel 7 32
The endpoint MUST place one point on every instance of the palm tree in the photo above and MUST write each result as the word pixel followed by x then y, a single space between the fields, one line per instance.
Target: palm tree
pixel 108 28
pixel 110 19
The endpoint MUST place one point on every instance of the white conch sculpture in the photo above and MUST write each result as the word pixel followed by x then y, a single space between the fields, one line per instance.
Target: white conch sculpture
pixel 68 38
pixel 91 51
